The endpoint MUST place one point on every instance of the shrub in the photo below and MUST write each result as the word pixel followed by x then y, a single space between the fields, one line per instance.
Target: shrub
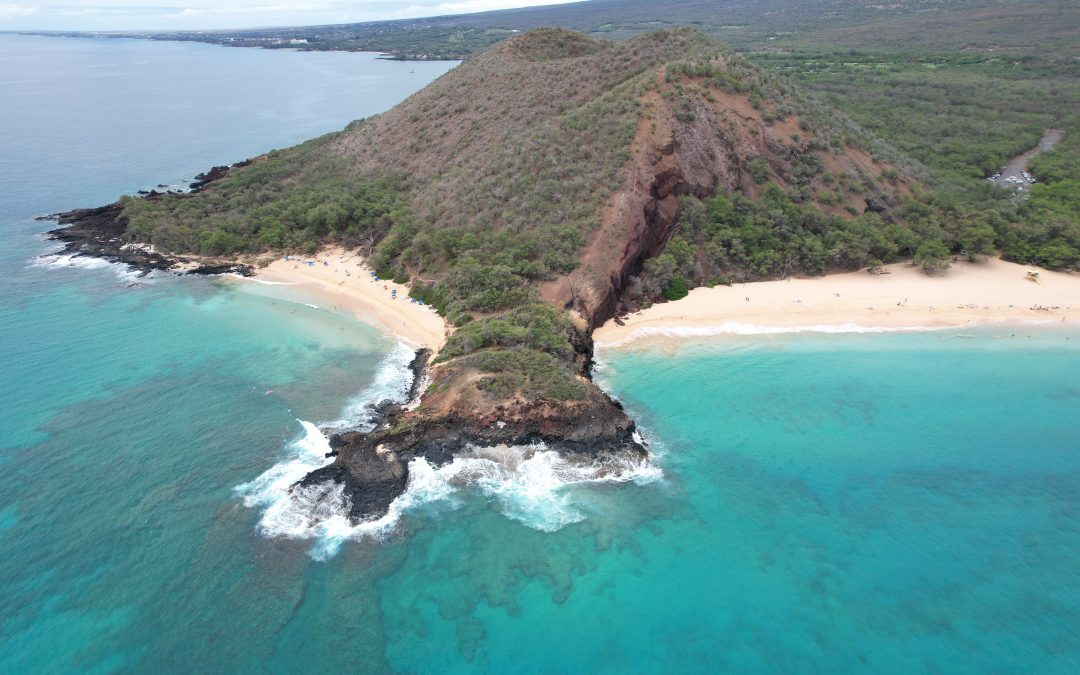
pixel 758 169
pixel 536 326
pixel 676 289
pixel 536 374
pixel 932 256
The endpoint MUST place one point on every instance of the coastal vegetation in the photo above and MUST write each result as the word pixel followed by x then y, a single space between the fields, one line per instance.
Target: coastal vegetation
pixel 293 199
pixel 494 185
pixel 963 115
pixel 1056 197
pixel 1048 228
pixel 960 114
pixel 556 180
pixel 733 238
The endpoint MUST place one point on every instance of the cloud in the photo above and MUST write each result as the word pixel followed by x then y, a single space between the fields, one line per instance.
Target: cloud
pixel 228 14
pixel 437 8
pixel 249 10
pixel 16 11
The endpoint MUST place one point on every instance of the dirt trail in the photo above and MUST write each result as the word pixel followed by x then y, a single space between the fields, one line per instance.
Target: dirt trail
pixel 1012 175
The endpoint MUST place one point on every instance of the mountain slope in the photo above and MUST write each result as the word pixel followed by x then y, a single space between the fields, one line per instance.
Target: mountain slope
pixel 1021 27
pixel 515 157
pixel 521 193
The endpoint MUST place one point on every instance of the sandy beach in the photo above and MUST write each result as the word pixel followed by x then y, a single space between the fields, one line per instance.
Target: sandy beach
pixel 339 280
pixel 967 294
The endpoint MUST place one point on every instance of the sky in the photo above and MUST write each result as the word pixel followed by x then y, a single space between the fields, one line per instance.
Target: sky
pixel 208 14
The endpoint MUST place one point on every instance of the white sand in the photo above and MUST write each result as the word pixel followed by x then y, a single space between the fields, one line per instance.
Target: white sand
pixel 968 294
pixel 345 284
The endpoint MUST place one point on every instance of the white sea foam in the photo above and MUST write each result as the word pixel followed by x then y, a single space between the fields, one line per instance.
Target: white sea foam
pixel 308 304
pixel 271 489
pixel 531 484
pixel 391 383
pixel 319 511
pixel 534 485
pixel 82 262
pixel 49 245
pixel 737 328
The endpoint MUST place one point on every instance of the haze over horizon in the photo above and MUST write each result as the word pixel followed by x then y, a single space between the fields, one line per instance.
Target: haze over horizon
pixel 136 15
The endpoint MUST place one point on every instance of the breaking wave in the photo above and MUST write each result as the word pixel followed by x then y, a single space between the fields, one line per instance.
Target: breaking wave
pixel 392 382
pixel 262 282
pixel 82 262
pixel 531 484
pixel 737 328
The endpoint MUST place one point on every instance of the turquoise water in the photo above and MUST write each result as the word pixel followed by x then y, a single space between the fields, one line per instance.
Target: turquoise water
pixel 874 503
pixel 886 503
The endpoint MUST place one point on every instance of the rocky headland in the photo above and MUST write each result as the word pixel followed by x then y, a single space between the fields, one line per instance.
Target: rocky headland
pixel 102 232
pixel 373 467
pixel 520 195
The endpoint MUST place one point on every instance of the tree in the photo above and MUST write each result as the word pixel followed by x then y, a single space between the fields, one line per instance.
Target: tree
pixel 932 256
pixel 758 169
pixel 1057 255
pixel 977 239
pixel 676 289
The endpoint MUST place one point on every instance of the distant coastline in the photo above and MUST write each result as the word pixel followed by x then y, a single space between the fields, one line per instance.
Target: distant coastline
pixel 903 298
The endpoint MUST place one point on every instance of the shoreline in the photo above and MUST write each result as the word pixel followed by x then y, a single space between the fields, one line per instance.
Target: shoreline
pixel 903 299
pixel 339 281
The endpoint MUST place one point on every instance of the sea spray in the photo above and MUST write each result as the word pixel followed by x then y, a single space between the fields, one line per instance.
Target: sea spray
pixel 391 383
pixel 528 483
pixel 309 511
pixel 531 482
pixel 289 513
pixel 56 260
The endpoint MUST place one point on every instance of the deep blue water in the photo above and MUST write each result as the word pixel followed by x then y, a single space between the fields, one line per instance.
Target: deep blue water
pixel 874 503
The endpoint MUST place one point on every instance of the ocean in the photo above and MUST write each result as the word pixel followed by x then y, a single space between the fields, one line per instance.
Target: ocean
pixel 841 502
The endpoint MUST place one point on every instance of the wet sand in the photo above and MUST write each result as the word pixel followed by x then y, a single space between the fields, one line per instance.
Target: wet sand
pixel 968 294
